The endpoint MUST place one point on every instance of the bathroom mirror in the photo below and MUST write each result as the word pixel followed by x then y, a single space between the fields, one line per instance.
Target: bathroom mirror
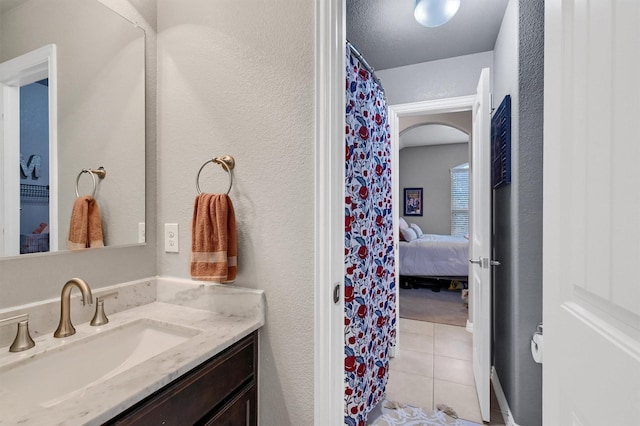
pixel 72 91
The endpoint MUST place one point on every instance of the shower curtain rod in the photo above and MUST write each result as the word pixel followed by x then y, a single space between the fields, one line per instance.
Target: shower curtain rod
pixel 369 68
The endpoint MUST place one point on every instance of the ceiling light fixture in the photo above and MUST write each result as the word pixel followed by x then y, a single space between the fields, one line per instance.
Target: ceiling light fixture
pixel 433 13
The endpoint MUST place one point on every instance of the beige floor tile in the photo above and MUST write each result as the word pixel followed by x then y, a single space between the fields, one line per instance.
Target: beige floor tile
pixel 410 389
pixel 461 398
pixel 452 332
pixel 453 347
pixel 416 342
pixel 453 370
pixel 418 327
pixel 412 362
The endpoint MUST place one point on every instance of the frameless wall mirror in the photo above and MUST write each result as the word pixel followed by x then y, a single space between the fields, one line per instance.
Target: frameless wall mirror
pixel 72 97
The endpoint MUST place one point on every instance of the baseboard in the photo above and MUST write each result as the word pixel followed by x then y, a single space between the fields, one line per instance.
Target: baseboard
pixel 502 399
pixel 469 326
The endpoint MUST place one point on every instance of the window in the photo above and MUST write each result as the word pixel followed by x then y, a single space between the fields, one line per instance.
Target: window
pixel 460 200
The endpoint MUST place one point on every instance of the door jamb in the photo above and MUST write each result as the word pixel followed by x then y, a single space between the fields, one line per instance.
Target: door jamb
pixel 329 170
pixel 397 111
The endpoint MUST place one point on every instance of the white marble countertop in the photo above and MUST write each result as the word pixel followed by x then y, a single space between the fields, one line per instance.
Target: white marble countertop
pixel 191 305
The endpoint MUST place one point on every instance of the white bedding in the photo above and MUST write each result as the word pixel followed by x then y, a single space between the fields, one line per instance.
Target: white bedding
pixel 435 255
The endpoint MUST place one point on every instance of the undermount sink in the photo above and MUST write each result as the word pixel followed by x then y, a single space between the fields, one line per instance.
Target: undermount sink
pixel 55 375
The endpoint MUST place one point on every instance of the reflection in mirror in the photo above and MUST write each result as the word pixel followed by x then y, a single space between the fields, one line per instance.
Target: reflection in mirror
pixel 72 94
pixel 34 170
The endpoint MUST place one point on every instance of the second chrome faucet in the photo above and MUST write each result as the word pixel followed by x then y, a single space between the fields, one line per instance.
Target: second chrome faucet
pixel 65 328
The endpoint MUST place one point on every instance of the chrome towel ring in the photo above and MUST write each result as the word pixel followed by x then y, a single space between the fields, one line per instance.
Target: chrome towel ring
pixel 227 162
pixel 100 172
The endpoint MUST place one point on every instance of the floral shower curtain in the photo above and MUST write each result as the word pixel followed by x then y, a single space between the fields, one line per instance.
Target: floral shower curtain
pixel 370 322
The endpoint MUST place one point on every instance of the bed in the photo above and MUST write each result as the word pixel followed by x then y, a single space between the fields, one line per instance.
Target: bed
pixel 432 255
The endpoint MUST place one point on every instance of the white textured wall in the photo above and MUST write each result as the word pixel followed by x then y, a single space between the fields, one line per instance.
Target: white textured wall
pixel 237 78
pixel 442 79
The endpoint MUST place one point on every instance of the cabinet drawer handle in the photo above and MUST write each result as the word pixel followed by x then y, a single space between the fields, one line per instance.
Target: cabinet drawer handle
pixel 248 405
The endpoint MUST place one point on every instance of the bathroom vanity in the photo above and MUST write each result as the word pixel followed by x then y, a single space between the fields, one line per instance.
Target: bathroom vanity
pixel 220 391
pixel 173 352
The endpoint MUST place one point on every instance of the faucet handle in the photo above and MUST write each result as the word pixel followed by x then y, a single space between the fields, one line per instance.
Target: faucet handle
pixel 23 340
pixel 99 318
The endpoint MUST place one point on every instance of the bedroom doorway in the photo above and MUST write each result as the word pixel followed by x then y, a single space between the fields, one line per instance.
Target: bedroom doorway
pixel 454 112
pixel 434 248
pixel 479 274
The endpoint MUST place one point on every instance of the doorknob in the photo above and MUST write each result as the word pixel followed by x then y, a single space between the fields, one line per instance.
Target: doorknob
pixel 495 263
pixel 477 262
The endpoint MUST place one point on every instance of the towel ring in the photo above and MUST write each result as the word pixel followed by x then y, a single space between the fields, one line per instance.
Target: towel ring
pixel 227 162
pixel 100 172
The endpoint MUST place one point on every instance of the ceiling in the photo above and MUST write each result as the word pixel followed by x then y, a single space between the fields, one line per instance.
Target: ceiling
pixel 388 36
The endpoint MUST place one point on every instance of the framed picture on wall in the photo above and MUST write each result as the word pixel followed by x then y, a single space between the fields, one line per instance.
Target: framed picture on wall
pixel 413 202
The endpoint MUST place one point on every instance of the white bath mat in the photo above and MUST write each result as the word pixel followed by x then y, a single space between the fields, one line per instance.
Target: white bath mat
pixel 398 414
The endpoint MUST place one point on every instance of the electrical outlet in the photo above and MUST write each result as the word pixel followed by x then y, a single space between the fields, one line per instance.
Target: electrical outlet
pixel 142 237
pixel 171 238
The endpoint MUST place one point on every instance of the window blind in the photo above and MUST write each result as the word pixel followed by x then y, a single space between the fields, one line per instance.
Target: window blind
pixel 460 200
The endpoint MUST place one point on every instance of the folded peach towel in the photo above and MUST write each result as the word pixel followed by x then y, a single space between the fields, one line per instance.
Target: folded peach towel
pixel 214 239
pixel 85 229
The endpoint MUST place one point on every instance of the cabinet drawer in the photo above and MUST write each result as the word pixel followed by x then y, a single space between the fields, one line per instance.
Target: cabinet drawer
pixel 190 397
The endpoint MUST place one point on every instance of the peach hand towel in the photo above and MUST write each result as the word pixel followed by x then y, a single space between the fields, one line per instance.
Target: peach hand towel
pixel 214 239
pixel 85 229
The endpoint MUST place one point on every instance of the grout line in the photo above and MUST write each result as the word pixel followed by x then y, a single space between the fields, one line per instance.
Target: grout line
pixel 433 358
pixel 443 332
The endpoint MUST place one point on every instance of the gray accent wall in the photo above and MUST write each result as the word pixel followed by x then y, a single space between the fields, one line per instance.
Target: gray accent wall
pixel 517 293
pixel 428 167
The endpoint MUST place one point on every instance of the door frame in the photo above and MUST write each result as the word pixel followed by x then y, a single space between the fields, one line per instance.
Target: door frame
pixel 397 111
pixel 329 169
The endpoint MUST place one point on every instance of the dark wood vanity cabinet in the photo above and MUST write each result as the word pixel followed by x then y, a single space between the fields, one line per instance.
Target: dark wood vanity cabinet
pixel 221 392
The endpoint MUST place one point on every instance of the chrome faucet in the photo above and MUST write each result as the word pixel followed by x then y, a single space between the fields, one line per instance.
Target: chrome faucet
pixel 65 328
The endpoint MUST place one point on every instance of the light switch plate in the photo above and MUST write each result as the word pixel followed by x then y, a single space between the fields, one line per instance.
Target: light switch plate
pixel 141 233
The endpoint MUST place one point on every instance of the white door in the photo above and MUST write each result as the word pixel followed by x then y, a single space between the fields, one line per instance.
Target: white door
pixel 591 251
pixel 480 241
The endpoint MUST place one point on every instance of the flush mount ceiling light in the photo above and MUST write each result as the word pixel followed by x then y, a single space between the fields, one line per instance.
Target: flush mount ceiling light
pixel 433 13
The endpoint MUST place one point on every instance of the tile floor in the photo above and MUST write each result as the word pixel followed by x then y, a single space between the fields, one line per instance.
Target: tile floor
pixel 434 366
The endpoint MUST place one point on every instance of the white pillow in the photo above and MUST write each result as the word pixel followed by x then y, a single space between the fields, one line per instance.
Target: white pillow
pixel 403 224
pixel 416 228
pixel 408 234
